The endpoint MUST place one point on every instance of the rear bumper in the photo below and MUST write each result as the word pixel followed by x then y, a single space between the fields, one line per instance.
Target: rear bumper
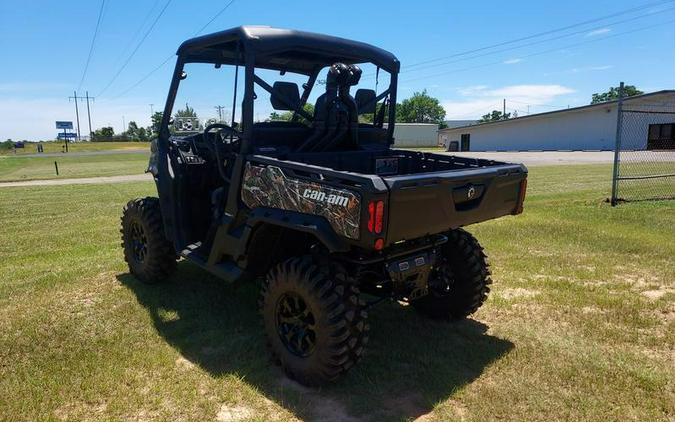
pixel 420 206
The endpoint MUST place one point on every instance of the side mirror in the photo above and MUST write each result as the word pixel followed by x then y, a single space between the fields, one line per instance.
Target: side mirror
pixel 363 98
pixel 285 96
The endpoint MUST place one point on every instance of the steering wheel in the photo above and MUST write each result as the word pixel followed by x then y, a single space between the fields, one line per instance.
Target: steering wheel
pixel 224 131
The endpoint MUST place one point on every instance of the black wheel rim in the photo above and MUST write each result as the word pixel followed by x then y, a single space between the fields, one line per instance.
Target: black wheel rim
pixel 296 325
pixel 139 243
pixel 441 279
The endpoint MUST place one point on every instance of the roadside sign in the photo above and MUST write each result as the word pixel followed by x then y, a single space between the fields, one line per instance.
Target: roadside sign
pixel 64 125
pixel 66 135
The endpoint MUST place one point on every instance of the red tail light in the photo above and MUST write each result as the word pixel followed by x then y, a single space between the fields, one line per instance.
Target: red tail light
pixel 379 216
pixel 379 244
pixel 375 216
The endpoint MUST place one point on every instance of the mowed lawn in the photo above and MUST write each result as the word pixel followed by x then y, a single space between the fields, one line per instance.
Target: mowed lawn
pixel 58 147
pixel 36 168
pixel 580 324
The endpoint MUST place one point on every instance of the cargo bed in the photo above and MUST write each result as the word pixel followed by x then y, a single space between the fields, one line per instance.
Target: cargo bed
pixel 431 193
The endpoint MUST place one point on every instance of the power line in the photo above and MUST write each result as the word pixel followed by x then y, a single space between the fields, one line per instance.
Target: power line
pixel 559 37
pixel 216 16
pixel 161 65
pixel 644 28
pixel 140 43
pixel 93 41
pixel 623 12
pixel 489 53
pixel 138 31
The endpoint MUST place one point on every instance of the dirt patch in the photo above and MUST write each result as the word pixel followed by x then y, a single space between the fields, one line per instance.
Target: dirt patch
pixel 666 315
pixel 410 404
pixel 184 364
pixel 589 310
pixel 233 413
pixel 322 407
pixel 458 408
pixel 657 293
pixel 80 411
pixel 509 294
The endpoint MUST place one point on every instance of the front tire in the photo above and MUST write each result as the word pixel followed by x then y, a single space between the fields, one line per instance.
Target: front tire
pixel 314 322
pixel 460 282
pixel 150 256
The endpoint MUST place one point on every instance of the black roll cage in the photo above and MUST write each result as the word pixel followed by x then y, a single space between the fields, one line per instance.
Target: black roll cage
pixel 250 80
pixel 268 48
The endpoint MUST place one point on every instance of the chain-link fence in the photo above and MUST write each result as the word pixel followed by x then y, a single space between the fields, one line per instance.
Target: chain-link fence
pixel 644 167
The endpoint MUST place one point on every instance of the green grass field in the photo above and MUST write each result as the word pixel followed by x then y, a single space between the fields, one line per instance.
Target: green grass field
pixel 32 168
pixel 57 147
pixel 580 324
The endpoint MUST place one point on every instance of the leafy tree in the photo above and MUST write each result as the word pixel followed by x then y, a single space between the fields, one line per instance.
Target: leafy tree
pixel 420 108
pixel 6 145
pixel 156 122
pixel 494 116
pixel 275 117
pixel 132 130
pixel 613 94
pixel 142 134
pixel 104 132
pixel 368 117
pixel 187 112
pixel 287 116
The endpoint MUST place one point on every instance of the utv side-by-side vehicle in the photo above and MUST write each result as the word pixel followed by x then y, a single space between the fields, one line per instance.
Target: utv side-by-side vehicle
pixel 317 205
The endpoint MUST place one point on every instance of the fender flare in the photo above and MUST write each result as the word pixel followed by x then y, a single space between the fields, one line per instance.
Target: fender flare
pixel 312 224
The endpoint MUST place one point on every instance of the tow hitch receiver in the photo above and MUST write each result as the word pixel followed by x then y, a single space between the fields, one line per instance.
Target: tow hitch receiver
pixel 410 275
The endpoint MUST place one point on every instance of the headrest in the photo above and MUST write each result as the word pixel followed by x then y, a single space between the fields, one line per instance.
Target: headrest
pixel 285 96
pixel 365 97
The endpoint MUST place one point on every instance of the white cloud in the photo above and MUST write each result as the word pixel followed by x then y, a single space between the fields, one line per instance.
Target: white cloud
pixel 479 100
pixel 598 68
pixel 513 61
pixel 590 69
pixel 472 90
pixel 598 32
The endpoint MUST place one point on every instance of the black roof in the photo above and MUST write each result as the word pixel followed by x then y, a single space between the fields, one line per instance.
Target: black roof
pixel 284 49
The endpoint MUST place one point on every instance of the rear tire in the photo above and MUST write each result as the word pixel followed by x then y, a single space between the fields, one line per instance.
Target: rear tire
pixel 460 282
pixel 314 321
pixel 150 256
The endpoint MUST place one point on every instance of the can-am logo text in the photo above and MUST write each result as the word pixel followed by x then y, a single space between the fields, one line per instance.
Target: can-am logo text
pixel 327 198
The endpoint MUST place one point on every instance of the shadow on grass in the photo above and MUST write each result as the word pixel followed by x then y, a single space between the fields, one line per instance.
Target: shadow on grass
pixel 410 365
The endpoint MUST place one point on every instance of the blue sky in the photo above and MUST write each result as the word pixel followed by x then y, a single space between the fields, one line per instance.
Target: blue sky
pixel 45 46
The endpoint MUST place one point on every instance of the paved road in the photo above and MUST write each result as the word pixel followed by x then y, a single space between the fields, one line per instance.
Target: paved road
pixel 83 153
pixel 81 181
pixel 543 158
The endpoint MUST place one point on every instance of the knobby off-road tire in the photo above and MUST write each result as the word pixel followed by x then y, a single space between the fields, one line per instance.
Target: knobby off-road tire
pixel 314 321
pixel 460 283
pixel 150 256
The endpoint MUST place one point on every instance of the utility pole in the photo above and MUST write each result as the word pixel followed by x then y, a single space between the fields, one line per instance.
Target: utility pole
pixel 89 114
pixel 504 112
pixel 151 110
pixel 124 124
pixel 77 114
pixel 220 113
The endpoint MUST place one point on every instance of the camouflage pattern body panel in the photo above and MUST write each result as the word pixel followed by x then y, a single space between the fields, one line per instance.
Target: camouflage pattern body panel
pixel 269 187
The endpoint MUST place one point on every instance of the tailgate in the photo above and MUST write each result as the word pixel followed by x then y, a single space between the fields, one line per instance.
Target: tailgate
pixel 430 203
